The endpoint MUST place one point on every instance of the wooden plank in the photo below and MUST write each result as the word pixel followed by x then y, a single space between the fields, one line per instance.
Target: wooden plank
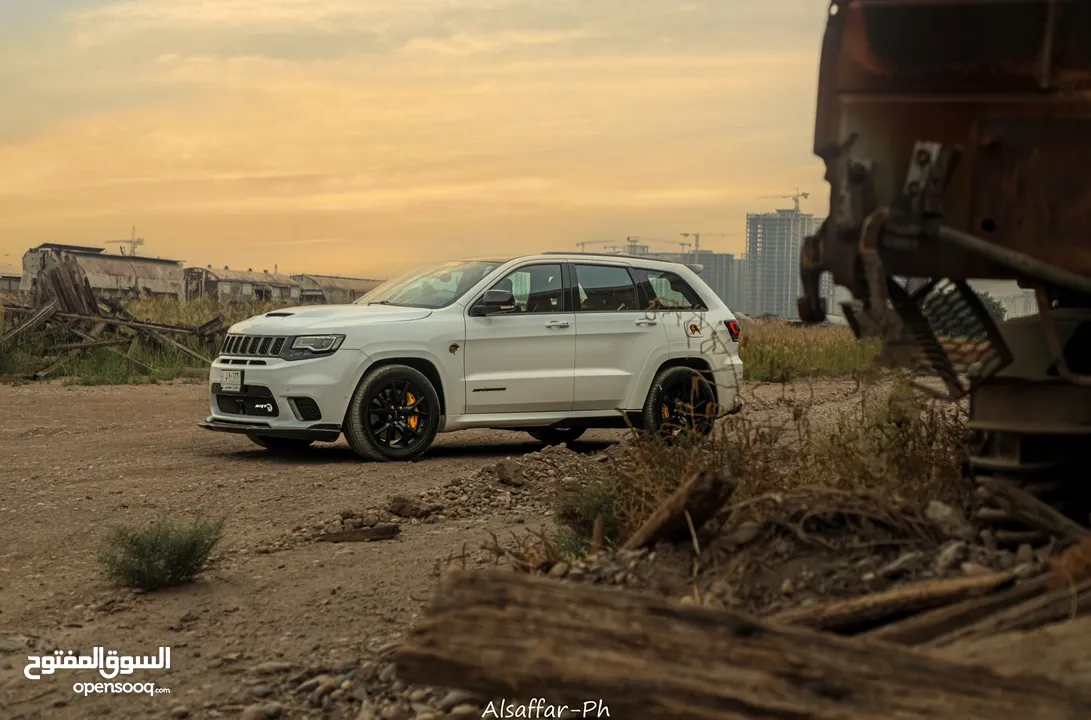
pixel 116 322
pixel 502 634
pixel 178 346
pixel 1060 604
pixel 927 626
pixel 39 318
pixel 90 344
pixel 127 356
pixel 690 507
pixel 867 611
pixel 1024 507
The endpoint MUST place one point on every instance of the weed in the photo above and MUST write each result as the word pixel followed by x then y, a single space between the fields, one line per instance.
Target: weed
pixel 895 443
pixel 778 352
pixel 163 555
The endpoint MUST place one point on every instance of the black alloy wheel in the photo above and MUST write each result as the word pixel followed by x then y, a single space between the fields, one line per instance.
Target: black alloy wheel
pixel 394 414
pixel 681 402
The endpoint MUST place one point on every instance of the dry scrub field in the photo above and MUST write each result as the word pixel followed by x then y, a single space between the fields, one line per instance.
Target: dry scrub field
pixel 275 608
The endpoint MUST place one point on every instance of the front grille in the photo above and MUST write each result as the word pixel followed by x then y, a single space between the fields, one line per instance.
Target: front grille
pixel 306 409
pixel 253 345
pixel 249 406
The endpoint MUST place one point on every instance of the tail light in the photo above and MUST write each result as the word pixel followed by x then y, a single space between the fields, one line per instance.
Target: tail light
pixel 733 328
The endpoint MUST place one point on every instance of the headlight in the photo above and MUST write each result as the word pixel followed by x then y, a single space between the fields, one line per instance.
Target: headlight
pixel 318 343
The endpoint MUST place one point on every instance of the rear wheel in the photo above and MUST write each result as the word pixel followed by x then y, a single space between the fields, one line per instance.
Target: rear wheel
pixel 556 436
pixel 393 415
pixel 281 444
pixel 681 401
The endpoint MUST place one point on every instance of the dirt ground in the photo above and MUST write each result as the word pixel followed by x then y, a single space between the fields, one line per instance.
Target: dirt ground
pixel 78 459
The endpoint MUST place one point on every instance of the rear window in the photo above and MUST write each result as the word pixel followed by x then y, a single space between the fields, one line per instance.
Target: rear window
pixel 666 291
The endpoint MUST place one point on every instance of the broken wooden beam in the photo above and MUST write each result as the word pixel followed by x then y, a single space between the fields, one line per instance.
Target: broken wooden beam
pixel 90 344
pixel 1024 507
pixel 127 355
pixel 1063 603
pixel 40 317
pixel 863 613
pixel 501 634
pixel 684 512
pixel 118 322
pixel 371 534
pixel 164 340
pixel 929 625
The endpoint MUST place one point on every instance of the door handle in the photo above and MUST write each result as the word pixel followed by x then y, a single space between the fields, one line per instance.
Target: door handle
pixel 557 324
pixel 647 322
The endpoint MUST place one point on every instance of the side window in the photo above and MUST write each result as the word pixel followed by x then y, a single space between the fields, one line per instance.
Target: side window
pixel 537 288
pixel 603 288
pixel 666 291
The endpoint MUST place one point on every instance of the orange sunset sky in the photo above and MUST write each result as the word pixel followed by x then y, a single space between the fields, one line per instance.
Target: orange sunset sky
pixel 364 137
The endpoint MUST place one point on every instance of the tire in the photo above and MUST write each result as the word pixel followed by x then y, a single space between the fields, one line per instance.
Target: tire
pixel 556 436
pixel 379 422
pixel 280 444
pixel 681 401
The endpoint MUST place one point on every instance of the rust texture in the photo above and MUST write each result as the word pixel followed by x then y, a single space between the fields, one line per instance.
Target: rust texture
pixel 1006 85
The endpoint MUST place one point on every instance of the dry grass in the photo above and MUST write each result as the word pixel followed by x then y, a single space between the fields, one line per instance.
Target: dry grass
pixel 896 445
pixel 165 554
pixel 778 352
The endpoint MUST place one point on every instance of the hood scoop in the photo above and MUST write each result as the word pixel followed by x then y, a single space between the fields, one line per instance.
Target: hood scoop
pixel 279 314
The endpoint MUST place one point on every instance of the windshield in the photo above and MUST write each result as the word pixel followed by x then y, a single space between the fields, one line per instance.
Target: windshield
pixel 434 287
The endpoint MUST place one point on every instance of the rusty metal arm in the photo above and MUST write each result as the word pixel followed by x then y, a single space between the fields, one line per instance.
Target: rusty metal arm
pixel 1017 261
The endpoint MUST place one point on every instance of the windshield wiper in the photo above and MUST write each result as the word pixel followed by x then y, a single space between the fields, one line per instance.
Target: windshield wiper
pixel 381 302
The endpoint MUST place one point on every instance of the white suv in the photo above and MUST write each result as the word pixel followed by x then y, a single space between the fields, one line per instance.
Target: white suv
pixel 548 344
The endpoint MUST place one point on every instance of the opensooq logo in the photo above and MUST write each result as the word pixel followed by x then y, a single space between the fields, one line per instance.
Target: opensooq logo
pixel 108 663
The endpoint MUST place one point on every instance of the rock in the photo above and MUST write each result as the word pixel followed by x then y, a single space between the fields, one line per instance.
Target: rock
pixel 465 710
pixel 311 684
pixel 457 698
pixel 559 570
pixel 1026 570
pixel 367 712
pixel 509 473
pixel 418 696
pixel 388 673
pixel 1025 555
pixel 787 587
pixel 395 712
pixel 271 668
pixel 253 712
pixel 261 691
pixel 744 534
pixel 407 507
pixel 901 566
pixel 974 570
pixel 949 521
pixel 346 515
pixel 179 711
pixel 951 555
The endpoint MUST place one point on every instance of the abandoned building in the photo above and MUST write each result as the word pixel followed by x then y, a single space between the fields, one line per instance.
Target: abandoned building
pixel 10 278
pixel 229 285
pixel 333 290
pixel 109 275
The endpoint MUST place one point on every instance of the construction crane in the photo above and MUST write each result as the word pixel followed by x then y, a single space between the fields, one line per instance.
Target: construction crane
pixel 795 197
pixel 134 242
pixel 583 245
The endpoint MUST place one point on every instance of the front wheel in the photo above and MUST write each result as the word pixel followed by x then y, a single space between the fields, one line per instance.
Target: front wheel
pixel 393 415
pixel 556 436
pixel 281 444
pixel 681 401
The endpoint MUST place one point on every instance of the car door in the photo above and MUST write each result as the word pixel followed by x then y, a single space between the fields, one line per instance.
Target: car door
pixel 615 337
pixel 682 311
pixel 523 361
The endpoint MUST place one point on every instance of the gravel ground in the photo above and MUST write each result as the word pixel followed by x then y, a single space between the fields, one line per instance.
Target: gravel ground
pixel 280 625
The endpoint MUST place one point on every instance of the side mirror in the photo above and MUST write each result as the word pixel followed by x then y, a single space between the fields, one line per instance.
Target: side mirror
pixel 495 302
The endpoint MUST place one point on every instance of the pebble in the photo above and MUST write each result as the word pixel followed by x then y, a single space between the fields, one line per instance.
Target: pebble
pixel 179 711
pixel 261 691
pixel 1025 555
pixel 456 698
pixel 559 570
pixel 974 570
pixel 464 710
pixel 253 712
pixel 950 556
pixel 271 668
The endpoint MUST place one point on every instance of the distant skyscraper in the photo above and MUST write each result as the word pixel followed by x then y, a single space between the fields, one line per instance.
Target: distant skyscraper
pixel 773 243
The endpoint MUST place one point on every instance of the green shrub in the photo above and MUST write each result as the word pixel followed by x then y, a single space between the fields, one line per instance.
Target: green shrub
pixel 166 554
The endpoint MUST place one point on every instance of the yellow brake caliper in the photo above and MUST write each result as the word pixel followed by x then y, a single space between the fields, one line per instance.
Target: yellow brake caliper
pixel 414 419
pixel 666 412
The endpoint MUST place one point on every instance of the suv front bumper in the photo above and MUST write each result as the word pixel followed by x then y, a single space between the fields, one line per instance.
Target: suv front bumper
pixel 320 432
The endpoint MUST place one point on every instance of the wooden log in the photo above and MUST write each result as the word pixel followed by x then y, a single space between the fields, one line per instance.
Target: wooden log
pixel 120 322
pixel 371 534
pixel 863 613
pixel 1057 605
pixel 701 497
pixel 39 318
pixel 507 635
pixel 164 340
pixel 1031 511
pixel 88 345
pixel 127 355
pixel 927 626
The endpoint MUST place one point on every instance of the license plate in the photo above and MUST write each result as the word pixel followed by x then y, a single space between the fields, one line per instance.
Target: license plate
pixel 231 380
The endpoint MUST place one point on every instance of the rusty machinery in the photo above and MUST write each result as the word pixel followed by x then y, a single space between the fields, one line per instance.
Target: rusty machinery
pixel 957 141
